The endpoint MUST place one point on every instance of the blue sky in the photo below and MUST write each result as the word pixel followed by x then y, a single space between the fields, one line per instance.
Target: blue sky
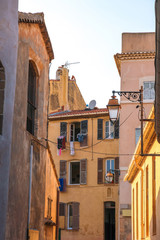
pixel 89 32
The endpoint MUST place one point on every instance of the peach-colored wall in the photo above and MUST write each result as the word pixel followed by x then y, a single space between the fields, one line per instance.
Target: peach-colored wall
pixel 138 42
pixel 92 195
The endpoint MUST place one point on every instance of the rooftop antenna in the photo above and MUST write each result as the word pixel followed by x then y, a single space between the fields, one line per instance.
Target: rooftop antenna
pixel 92 104
pixel 67 63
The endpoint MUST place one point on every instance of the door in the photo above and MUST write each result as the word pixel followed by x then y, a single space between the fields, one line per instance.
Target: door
pixel 109 221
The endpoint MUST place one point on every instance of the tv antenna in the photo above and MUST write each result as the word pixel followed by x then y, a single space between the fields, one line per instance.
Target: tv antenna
pixel 67 63
pixel 92 104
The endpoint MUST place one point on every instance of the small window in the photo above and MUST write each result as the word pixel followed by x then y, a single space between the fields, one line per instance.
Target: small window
pixel 109 165
pixel 31 102
pixel 137 134
pixel 49 212
pixel 78 172
pixel 75 173
pixel 109 131
pixel 148 90
pixel 73 216
pixel 74 131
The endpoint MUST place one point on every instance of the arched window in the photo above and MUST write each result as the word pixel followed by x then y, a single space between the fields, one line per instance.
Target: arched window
pixel 31 108
pixel 2 88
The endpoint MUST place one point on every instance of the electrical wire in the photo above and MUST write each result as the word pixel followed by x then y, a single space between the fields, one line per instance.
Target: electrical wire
pixel 110 154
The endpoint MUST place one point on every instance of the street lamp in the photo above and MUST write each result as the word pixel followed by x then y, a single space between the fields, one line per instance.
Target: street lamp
pixel 110 175
pixel 132 96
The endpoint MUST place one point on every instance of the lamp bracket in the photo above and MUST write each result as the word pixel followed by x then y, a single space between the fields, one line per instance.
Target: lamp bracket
pixel 131 96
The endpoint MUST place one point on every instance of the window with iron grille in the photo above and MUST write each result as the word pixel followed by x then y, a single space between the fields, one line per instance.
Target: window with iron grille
pixel 31 101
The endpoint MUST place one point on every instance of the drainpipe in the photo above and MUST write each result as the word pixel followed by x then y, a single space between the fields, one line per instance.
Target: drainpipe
pixel 30 189
pixel 142 225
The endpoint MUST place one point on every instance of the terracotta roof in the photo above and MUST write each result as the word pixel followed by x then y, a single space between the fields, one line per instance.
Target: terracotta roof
pixel 78 113
pixel 132 56
pixel 38 18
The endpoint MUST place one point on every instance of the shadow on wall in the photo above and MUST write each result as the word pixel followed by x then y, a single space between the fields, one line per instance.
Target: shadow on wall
pixel 154 232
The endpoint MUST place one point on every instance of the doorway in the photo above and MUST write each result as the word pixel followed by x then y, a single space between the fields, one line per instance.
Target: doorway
pixel 109 221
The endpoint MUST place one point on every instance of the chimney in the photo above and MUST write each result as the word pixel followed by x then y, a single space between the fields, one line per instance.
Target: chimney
pixel 63 76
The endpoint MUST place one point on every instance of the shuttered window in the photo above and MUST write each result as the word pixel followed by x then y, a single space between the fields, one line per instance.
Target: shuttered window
pixel 73 215
pixel 2 89
pixel 148 90
pixel 100 129
pixel 100 171
pixel 83 165
pixel 31 103
pixel 78 172
pixel 84 127
pixel 63 129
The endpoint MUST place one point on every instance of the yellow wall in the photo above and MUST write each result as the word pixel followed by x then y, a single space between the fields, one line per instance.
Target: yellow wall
pixel 92 195
pixel 148 162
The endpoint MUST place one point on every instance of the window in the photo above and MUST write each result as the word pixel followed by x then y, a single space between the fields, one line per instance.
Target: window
pixel 31 104
pixel 49 212
pixel 137 134
pixel 78 172
pixel 109 131
pixel 75 173
pixel 109 165
pixel 71 212
pixel 2 88
pixel 74 131
pixel 148 90
pixel 70 216
pixel 78 132
pixel 73 216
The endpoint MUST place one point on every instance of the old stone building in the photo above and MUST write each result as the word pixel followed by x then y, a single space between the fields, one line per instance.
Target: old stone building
pixel 30 203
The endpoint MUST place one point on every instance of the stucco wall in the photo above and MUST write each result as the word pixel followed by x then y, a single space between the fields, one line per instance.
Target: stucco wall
pixel 92 195
pixel 31 47
pixel 8 57
pixel 138 42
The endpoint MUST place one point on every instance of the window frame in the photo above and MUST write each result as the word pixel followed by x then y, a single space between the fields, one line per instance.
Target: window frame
pixel 110 126
pixel 148 89
pixel 32 98
pixel 70 173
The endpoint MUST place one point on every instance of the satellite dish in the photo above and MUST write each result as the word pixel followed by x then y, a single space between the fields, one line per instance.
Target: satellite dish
pixel 92 104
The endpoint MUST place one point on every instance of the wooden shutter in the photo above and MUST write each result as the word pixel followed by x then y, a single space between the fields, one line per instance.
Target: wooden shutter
pixel 84 130
pixel 63 165
pixel 75 216
pixel 100 129
pixel 116 129
pixel 63 129
pixel 100 171
pixel 62 207
pixel 2 90
pixel 84 126
pixel 83 167
pixel 116 179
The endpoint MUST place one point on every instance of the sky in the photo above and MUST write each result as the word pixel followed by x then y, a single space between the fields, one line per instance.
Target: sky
pixel 90 32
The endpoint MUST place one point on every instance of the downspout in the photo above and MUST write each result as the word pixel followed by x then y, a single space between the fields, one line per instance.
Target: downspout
pixel 30 189
pixel 57 215
pixel 142 225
